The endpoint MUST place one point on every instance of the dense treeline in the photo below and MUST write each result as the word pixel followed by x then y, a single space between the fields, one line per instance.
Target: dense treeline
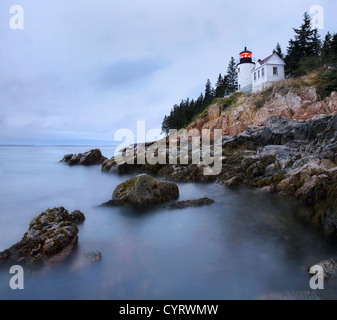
pixel 305 53
pixel 183 114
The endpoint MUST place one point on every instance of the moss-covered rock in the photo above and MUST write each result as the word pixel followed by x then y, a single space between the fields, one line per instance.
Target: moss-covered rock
pixel 52 236
pixel 325 206
pixel 144 190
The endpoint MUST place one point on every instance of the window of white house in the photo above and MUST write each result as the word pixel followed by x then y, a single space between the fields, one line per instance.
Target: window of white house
pixel 263 73
pixel 254 76
pixel 275 71
pixel 258 74
pixel 238 70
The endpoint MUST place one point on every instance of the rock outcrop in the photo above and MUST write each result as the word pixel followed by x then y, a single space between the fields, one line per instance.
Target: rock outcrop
pixel 214 111
pixel 282 100
pixel 92 157
pixel 52 237
pixel 293 159
pixel 178 172
pixel 192 203
pixel 296 159
pixel 143 190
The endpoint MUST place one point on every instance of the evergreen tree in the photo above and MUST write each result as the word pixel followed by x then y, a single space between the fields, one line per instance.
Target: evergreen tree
pixel 306 44
pixel 225 86
pixel 221 86
pixel 326 48
pixel 304 36
pixel 165 127
pixel 209 92
pixel 199 104
pixel 292 60
pixel 232 76
pixel 334 49
pixel 278 50
pixel 218 87
pixel 316 44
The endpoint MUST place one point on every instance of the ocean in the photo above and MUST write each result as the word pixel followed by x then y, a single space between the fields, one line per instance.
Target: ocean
pixel 244 246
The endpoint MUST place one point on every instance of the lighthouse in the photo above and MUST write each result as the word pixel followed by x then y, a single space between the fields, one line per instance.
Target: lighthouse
pixel 244 69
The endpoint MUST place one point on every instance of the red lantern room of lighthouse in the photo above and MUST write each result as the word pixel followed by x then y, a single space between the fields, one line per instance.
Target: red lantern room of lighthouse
pixel 246 56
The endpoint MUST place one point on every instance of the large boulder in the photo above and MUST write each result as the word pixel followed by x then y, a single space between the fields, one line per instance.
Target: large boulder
pixel 144 190
pixel 52 237
pixel 92 157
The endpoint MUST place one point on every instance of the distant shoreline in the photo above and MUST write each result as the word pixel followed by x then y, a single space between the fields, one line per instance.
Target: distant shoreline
pixel 55 145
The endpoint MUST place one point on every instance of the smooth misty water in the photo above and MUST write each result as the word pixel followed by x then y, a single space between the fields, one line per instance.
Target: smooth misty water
pixel 244 246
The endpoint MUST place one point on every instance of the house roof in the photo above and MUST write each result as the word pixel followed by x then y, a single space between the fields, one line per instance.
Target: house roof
pixel 261 62
pixel 264 61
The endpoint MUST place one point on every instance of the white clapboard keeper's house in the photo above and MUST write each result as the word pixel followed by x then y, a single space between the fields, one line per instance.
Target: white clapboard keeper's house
pixel 254 77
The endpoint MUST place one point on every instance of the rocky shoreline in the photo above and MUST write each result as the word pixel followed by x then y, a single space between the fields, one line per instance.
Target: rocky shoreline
pixel 295 159
pixel 280 154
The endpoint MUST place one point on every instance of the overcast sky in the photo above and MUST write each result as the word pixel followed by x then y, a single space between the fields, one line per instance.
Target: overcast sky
pixel 80 70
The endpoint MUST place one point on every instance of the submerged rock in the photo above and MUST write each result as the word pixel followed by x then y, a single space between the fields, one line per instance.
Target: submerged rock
pixel 93 257
pixel 92 157
pixel 143 190
pixel 85 259
pixel 52 237
pixel 192 203
pixel 77 216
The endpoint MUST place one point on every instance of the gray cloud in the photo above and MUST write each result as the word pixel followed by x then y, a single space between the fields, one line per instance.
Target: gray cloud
pixel 126 73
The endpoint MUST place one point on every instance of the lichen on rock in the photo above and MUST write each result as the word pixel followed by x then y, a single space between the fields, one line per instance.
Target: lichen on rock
pixel 143 190
pixel 52 237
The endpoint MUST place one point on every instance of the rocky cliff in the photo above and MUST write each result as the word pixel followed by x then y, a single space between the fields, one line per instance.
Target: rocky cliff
pixel 282 140
pixel 294 99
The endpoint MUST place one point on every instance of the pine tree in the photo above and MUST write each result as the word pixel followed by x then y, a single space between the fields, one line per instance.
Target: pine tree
pixel 316 44
pixel 221 86
pixel 304 36
pixel 334 49
pixel 209 92
pixel 232 76
pixel 292 60
pixel 278 51
pixel 218 87
pixel 165 127
pixel 326 48
pixel 225 85
pixel 306 44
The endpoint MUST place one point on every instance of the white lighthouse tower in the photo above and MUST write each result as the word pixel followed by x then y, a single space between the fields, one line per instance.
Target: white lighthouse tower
pixel 245 68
